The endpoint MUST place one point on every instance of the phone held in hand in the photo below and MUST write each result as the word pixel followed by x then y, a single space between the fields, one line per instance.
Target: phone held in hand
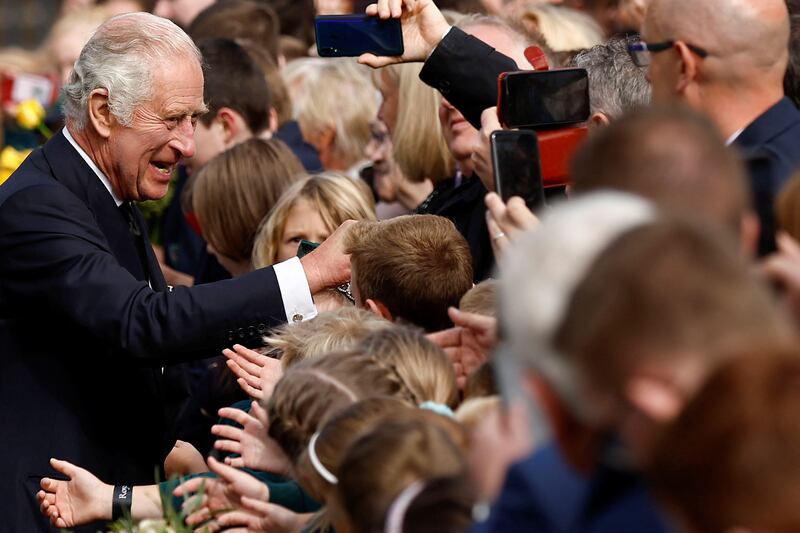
pixel 541 99
pixel 517 169
pixel 353 35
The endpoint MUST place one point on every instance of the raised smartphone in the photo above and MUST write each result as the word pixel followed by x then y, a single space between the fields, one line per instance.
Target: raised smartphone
pixel 353 35
pixel 541 99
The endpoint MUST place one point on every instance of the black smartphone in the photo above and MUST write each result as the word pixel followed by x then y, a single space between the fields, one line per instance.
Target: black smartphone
pixel 517 169
pixel 353 35
pixel 547 98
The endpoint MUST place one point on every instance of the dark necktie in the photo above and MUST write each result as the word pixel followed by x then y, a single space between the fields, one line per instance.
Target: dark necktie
pixel 136 232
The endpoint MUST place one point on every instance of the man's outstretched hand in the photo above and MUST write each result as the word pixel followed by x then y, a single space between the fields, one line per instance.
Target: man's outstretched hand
pixel 423 28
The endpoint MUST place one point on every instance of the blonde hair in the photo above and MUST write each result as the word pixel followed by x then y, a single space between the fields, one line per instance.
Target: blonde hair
pixel 415 265
pixel 235 190
pixel 333 92
pixel 342 329
pixel 336 197
pixel 564 29
pixel 422 364
pixel 481 299
pixel 312 391
pixel 420 149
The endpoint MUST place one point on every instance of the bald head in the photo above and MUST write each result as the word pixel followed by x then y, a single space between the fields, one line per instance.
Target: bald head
pixel 753 35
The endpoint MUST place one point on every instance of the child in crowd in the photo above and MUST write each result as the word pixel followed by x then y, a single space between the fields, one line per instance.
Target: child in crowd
pixel 310 210
pixel 233 192
pixel 410 268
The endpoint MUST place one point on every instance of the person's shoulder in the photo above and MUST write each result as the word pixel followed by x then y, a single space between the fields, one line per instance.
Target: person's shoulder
pixel 31 174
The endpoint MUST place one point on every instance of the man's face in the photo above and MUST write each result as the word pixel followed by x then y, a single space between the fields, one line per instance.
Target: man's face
pixel 182 12
pixel 143 155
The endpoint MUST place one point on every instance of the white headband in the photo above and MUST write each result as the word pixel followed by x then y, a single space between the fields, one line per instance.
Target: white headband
pixel 397 511
pixel 326 474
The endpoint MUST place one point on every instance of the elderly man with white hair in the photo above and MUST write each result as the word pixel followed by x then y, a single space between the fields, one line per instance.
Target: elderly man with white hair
pixel 86 319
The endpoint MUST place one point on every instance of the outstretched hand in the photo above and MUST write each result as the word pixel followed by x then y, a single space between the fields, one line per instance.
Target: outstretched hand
pixel 258 517
pixel 220 494
pixel 80 500
pixel 257 374
pixel 469 344
pixel 423 28
pixel 255 447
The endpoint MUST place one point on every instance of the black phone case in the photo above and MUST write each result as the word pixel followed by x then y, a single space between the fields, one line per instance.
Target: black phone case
pixel 353 35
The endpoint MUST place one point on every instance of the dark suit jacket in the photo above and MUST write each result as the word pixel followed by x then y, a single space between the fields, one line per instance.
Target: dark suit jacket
pixel 83 337
pixel 771 148
pixel 543 494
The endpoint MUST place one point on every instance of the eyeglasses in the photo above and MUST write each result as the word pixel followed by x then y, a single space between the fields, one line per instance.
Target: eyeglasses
pixel 641 52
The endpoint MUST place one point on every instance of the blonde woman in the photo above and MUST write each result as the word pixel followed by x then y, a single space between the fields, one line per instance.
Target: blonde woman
pixel 410 110
pixel 311 209
pixel 334 102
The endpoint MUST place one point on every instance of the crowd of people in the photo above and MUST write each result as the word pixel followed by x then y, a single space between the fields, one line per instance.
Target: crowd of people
pixel 281 294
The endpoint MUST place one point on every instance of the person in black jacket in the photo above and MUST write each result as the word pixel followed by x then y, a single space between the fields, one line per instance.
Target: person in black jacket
pixel 87 321
pixel 727 59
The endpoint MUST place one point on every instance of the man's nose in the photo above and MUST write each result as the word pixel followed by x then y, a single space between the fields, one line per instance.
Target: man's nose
pixel 184 138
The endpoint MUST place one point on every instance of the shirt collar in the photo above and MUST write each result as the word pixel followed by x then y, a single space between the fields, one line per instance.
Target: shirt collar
pixel 732 138
pixel 103 178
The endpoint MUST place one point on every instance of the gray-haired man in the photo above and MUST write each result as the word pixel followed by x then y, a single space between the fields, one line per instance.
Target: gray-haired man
pixel 86 320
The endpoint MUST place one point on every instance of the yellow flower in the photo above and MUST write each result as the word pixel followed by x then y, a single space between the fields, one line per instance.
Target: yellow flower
pixel 30 114
pixel 10 159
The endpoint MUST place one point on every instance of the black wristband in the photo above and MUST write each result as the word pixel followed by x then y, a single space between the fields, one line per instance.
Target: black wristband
pixel 121 504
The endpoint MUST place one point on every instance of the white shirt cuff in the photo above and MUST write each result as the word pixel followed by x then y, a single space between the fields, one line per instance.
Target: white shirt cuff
pixel 297 301
pixel 440 40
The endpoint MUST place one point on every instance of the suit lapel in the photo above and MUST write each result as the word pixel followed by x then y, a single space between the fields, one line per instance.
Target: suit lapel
pixel 72 171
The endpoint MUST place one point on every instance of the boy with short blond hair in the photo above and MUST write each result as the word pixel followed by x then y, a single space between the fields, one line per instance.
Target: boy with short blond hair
pixel 410 268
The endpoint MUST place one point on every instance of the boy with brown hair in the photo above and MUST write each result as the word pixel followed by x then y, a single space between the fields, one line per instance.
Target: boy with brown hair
pixel 411 268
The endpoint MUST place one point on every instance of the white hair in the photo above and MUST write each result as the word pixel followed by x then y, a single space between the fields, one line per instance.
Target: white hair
pixel 546 266
pixel 121 57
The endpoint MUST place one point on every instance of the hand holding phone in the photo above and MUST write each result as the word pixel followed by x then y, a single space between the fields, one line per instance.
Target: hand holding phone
pixel 354 35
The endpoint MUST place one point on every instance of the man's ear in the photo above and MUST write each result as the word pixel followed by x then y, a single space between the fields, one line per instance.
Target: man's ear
pixel 100 113
pixel 657 399
pixel 379 309
pixel 599 120
pixel 688 68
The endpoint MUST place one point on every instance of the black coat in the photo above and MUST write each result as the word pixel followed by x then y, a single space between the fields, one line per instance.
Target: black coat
pixel 83 337
pixel 771 148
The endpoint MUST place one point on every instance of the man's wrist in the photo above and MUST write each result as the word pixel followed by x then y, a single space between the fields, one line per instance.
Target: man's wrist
pixel 121 501
pixel 309 263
